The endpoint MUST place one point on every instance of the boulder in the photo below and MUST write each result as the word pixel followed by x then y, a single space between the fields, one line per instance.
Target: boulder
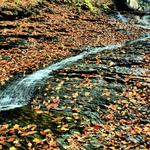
pixel 141 6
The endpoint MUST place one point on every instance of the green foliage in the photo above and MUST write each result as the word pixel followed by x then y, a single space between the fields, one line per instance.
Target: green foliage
pixel 17 2
pixel 82 3
pixel 105 8
pixel 93 5
pixel 89 5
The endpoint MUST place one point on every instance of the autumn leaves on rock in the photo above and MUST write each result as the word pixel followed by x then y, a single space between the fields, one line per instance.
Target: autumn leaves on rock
pixel 99 102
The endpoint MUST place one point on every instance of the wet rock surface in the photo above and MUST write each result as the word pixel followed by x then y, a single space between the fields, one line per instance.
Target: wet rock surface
pixel 99 80
pixel 98 102
pixel 18 9
pixel 101 96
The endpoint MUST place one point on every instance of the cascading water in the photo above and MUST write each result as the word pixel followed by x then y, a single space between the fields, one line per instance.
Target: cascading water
pixel 143 21
pixel 20 92
pixel 120 17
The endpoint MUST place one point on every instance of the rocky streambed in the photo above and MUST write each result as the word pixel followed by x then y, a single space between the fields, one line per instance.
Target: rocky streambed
pixel 93 100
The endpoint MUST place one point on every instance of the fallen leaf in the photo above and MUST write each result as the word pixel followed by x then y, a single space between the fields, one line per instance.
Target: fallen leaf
pixel 87 93
pixel 12 148
pixel 36 140
pixel 28 133
pixel 16 126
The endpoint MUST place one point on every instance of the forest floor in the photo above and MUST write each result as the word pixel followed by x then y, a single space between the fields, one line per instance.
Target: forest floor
pixel 54 32
pixel 77 110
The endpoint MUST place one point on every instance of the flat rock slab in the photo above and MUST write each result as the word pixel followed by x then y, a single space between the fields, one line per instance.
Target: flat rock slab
pixel 39 39
pixel 87 94
pixel 100 79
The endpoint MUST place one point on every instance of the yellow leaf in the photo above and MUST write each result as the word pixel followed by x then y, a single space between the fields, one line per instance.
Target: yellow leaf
pixel 146 129
pixel 111 63
pixel 47 130
pixel 36 140
pixel 107 93
pixel 64 127
pixel 16 126
pixel 87 93
pixel 104 135
pixel 12 148
pixel 74 95
pixel 75 116
pixel 59 86
pixel 76 109
pixel 138 130
pixel 39 111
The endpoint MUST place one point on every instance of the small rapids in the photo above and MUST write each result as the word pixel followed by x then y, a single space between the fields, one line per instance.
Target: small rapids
pixel 143 22
pixel 120 17
pixel 140 21
pixel 20 92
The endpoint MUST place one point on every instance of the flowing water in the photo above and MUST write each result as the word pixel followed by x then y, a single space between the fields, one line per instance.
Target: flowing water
pixel 20 92
pixel 120 17
pixel 144 21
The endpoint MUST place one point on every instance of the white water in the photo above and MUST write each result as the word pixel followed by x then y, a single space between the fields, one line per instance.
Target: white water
pixel 140 21
pixel 120 17
pixel 20 92
pixel 143 22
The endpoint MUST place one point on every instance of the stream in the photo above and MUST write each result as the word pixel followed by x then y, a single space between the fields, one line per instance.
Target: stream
pixel 19 93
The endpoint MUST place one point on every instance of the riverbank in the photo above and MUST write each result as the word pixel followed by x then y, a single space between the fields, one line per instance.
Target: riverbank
pixel 55 32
